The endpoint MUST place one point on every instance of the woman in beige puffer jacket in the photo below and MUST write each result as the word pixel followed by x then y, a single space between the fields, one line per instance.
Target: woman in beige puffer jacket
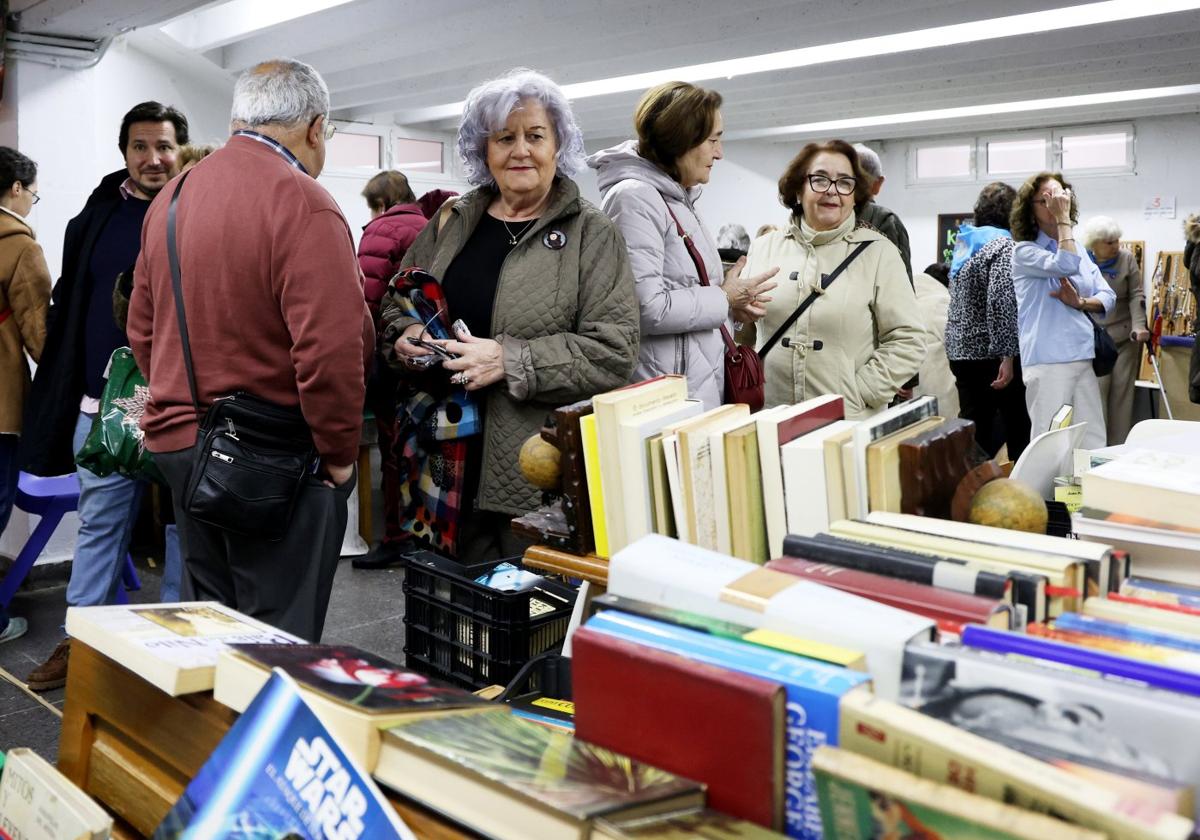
pixel 862 337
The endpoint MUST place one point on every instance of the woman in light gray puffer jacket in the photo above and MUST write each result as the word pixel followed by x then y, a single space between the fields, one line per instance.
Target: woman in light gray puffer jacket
pixel 679 138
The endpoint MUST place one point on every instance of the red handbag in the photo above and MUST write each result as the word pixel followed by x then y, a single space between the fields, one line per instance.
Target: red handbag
pixel 743 366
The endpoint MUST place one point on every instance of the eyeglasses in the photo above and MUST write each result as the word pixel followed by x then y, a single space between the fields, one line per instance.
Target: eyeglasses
pixel 36 197
pixel 330 129
pixel 821 184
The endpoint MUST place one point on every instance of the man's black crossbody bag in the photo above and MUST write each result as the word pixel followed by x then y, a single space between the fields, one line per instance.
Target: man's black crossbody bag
pixel 251 456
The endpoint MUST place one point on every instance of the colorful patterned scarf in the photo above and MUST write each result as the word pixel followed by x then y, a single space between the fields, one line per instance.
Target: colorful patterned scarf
pixel 433 421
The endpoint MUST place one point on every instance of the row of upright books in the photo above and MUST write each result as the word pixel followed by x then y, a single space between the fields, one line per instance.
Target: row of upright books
pixel 736 482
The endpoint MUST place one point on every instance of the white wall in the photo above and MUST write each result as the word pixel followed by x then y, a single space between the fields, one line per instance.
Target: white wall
pixel 1164 156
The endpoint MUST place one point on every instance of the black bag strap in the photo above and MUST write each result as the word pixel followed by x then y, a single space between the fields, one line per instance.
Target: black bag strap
pixel 177 287
pixel 826 282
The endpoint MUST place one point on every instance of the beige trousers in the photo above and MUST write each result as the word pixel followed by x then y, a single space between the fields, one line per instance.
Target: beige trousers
pixel 1116 392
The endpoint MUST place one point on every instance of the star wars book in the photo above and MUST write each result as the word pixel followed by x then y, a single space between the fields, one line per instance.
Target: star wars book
pixel 280 773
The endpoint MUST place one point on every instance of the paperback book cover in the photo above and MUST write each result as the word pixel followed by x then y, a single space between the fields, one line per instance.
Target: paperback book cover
pixel 1161 592
pixel 172 646
pixel 279 774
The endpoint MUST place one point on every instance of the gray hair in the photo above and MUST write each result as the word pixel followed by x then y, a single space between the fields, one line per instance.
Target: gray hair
pixel 487 110
pixel 733 236
pixel 869 160
pixel 1100 229
pixel 282 92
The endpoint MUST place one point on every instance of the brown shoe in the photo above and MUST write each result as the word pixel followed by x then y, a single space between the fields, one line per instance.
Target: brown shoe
pixel 53 672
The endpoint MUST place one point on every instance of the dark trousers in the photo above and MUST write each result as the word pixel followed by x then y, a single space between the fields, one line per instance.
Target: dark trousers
pixel 381 397
pixel 285 584
pixel 8 477
pixel 1000 416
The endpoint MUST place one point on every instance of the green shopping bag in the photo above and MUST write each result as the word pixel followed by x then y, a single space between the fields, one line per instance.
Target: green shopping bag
pixel 116 442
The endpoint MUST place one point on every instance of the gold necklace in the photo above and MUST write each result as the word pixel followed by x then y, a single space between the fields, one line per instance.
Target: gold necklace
pixel 513 237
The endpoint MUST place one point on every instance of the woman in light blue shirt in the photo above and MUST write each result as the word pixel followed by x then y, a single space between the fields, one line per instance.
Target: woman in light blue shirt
pixel 1056 285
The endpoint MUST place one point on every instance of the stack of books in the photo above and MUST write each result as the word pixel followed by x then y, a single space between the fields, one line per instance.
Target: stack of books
pixel 1045 693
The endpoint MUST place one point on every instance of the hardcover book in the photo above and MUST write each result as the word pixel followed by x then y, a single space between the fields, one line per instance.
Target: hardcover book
pixel 1162 592
pixel 696 469
pixel 806 478
pixel 705 825
pixel 685 716
pixel 814 692
pixel 951 610
pixel 883 464
pixel 880 425
pixel 862 799
pixel 355 693
pixel 514 779
pixel 1106 567
pixel 632 436
pixel 1173 619
pixel 1067 575
pixel 743 487
pixel 279 773
pixel 172 646
pixel 775 428
pixel 1160 486
pixel 931 466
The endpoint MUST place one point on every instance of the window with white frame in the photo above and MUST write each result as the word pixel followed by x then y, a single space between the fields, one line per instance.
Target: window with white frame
pixel 1083 150
pixel 1096 149
pixel 349 149
pixel 419 156
pixel 942 162
pixel 1012 155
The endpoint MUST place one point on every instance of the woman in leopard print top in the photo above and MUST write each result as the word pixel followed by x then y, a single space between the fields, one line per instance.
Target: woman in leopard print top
pixel 981 327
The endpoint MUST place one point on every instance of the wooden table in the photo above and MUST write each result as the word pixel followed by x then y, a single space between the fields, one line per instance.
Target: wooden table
pixel 134 748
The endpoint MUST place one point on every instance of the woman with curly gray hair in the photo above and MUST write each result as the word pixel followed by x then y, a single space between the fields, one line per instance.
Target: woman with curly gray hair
pixel 537 283
pixel 1126 323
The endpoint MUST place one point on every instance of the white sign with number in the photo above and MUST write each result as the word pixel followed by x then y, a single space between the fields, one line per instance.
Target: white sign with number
pixel 1159 207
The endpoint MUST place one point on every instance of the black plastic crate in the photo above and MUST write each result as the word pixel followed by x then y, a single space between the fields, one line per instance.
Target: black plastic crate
pixel 471 634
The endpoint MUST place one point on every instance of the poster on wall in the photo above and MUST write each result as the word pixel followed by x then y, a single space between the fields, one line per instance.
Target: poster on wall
pixel 947 232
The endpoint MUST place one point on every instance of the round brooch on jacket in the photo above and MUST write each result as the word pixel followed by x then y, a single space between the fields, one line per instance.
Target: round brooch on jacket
pixel 555 240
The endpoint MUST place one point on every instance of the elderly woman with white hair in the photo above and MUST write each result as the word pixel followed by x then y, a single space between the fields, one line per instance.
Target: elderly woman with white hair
pixel 1126 323
pixel 537 283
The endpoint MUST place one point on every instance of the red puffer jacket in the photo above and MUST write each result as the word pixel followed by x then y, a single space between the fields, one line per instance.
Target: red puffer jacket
pixel 385 240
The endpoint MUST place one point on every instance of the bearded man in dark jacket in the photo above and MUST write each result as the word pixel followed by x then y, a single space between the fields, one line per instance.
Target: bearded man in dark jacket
pixel 100 243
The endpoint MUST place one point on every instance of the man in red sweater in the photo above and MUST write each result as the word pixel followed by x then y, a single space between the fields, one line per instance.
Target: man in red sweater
pixel 274 306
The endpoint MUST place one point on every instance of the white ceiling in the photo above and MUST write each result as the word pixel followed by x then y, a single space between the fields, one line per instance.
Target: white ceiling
pixel 388 60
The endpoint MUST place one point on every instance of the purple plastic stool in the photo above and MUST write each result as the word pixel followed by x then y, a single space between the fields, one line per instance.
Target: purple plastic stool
pixel 50 498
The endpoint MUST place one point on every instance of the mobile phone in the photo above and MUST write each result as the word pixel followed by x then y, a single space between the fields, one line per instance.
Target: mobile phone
pixel 459 327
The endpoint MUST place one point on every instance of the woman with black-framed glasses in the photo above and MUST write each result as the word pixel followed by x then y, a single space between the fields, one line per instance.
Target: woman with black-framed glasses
pixel 863 336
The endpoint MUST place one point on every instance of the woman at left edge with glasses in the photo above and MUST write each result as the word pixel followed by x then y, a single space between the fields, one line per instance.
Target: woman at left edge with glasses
pixel 24 301
pixel 541 280
pixel 863 337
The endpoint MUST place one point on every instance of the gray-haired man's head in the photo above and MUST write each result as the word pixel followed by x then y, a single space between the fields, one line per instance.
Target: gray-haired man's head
pixel 872 166
pixel 287 100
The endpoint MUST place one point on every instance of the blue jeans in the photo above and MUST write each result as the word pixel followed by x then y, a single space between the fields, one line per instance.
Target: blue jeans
pixel 107 509
pixel 8 478
pixel 172 568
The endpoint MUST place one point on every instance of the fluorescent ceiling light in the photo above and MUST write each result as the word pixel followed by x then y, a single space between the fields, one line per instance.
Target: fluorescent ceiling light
pixel 216 26
pixel 1050 20
pixel 933 115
